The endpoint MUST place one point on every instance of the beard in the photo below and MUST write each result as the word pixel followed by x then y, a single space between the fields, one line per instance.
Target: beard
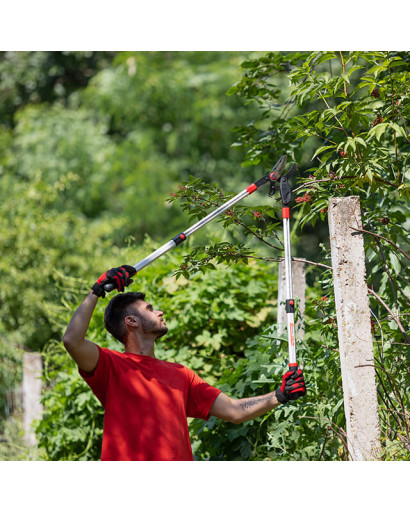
pixel 157 328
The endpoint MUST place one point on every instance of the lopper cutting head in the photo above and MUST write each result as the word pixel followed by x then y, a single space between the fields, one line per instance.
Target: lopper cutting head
pixel 278 168
pixel 279 182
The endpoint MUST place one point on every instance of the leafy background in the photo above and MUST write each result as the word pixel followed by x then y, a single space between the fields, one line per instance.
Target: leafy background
pixel 106 155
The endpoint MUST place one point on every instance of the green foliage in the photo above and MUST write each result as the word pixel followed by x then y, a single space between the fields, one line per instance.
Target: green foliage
pixel 12 446
pixel 10 373
pixel 298 431
pixel 37 77
pixel 245 225
pixel 345 122
pixel 88 165
pixel 71 426
pixel 217 313
pixel 69 152
pixel 176 100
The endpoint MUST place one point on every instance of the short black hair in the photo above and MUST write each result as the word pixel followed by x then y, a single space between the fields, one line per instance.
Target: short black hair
pixel 118 308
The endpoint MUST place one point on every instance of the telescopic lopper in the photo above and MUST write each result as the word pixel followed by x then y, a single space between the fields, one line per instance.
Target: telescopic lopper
pixel 277 183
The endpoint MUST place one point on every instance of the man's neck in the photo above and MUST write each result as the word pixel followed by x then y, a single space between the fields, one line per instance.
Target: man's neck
pixel 143 347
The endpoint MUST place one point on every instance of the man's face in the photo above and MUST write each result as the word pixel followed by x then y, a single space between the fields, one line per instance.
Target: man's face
pixel 151 320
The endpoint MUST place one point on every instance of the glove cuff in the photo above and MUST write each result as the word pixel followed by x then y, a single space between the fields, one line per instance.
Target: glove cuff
pixel 280 396
pixel 98 290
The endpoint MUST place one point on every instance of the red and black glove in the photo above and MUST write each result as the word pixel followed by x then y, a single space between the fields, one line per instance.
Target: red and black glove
pixel 117 276
pixel 293 386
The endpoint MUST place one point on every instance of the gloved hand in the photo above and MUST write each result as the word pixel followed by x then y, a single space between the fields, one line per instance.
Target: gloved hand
pixel 118 276
pixel 293 386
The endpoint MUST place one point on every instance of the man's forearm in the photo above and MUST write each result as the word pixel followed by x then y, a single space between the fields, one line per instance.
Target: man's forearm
pixel 253 407
pixel 77 329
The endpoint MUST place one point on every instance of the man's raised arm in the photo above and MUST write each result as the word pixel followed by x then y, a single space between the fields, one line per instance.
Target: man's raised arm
pixel 82 351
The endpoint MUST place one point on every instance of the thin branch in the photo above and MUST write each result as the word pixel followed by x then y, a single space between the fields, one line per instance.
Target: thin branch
pixel 344 72
pixel 404 123
pixel 381 237
pixel 392 283
pixel 375 178
pixel 311 263
pixel 394 317
pixel 341 434
pixel 396 393
pixel 324 442
pixel 240 223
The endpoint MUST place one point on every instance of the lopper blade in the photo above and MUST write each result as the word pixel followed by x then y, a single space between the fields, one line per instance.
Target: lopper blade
pixel 278 168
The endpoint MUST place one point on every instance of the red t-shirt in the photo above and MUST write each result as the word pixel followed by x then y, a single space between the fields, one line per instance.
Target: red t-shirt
pixel 147 402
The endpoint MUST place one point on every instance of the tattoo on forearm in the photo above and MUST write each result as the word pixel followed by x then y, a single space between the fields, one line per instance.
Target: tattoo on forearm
pixel 247 403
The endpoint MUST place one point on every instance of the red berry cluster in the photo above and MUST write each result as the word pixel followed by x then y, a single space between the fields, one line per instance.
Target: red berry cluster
pixel 384 220
pixel 257 214
pixel 343 153
pixel 377 121
pixel 375 93
pixel 303 199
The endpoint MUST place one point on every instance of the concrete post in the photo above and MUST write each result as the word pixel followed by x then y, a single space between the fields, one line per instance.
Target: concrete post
pixel 299 289
pixel 354 328
pixel 32 407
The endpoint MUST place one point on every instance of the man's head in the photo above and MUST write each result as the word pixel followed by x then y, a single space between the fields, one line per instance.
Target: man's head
pixel 128 312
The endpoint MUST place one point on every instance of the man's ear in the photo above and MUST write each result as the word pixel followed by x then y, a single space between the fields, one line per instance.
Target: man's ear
pixel 132 321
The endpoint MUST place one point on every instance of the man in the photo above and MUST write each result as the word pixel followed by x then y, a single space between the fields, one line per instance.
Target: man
pixel 147 400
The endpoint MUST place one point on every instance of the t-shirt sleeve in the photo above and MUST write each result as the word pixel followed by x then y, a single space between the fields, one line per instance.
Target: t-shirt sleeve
pixel 98 379
pixel 201 396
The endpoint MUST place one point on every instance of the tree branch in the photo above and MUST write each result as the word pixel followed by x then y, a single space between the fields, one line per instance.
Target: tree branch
pixel 381 237
pixel 394 317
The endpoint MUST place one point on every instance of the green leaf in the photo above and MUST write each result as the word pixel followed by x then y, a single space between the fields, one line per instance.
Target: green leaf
pixel 351 143
pixel 398 129
pixel 395 262
pixel 321 150
pixel 369 175
pixel 378 130
pixel 361 141
pixel 326 57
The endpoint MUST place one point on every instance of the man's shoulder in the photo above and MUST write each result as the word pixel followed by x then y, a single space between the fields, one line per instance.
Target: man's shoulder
pixel 110 352
pixel 171 365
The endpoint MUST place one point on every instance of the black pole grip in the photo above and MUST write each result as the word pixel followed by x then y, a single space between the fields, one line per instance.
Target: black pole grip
pixel 108 287
pixel 285 191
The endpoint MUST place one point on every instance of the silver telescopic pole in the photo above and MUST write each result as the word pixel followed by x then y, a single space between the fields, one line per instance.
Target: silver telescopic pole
pixel 182 236
pixel 274 173
pixel 189 231
pixel 290 315
pixel 285 192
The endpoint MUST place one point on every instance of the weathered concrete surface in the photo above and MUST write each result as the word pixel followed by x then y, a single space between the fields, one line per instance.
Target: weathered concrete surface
pixel 354 328
pixel 32 367
pixel 299 291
